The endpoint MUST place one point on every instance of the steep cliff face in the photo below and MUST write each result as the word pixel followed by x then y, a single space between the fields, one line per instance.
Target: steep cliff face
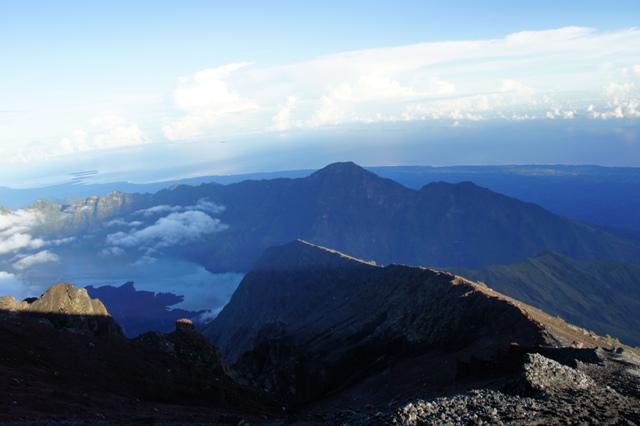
pixel 66 306
pixel 308 321
pixel 85 214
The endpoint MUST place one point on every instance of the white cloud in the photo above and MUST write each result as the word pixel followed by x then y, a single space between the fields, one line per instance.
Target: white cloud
pixel 512 86
pixel 14 231
pixel 205 205
pixel 17 221
pixel 108 132
pixel 521 75
pixel 282 120
pixel 208 100
pixel 62 241
pixel 453 80
pixel 461 80
pixel 116 222
pixel 207 89
pixel 40 257
pixel 102 134
pixel 161 209
pixel 175 229
pixel 622 101
pixel 464 108
pixel 202 204
pixel 208 315
pixel 112 251
pixel 19 242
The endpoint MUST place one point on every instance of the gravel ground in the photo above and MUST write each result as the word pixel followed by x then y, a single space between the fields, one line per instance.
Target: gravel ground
pixel 546 393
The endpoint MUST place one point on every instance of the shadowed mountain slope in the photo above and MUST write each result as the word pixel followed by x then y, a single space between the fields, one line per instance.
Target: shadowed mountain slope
pixel 307 322
pixel 603 296
pixel 606 196
pixel 352 210
pixel 376 344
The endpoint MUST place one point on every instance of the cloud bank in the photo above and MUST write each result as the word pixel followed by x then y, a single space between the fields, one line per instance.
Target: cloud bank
pixel 562 73
pixel 241 116
pixel 14 231
pixel 175 229
pixel 182 225
pixel 44 256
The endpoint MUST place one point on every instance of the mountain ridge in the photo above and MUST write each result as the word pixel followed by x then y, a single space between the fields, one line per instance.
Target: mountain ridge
pixel 308 321
pixel 580 292
pixel 346 207
pixel 226 228
pixel 351 342
pixel 591 194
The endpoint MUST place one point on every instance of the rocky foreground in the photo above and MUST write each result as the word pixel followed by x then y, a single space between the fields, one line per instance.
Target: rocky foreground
pixel 327 340
pixel 63 365
pixel 604 391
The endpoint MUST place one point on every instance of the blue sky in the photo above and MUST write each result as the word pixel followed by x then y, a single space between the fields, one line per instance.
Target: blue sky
pixel 154 90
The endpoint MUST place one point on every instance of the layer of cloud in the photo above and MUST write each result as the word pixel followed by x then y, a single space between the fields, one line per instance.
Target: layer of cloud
pixel 202 204
pixel 569 73
pixel 175 229
pixel 15 231
pixel 105 133
pixel 623 101
pixel 457 80
pixel 44 256
pixel 17 221
pixel 209 100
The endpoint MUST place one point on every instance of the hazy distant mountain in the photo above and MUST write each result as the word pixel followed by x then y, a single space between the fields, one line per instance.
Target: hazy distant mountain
pixel 604 196
pixel 348 208
pixel 353 210
pixel 603 296
pixel 226 228
pixel 607 196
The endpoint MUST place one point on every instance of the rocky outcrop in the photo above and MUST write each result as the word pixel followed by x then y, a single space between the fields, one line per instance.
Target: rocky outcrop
pixel 187 344
pixel 541 373
pixel 308 321
pixel 66 306
pixel 52 376
pixel 546 392
pixel 85 213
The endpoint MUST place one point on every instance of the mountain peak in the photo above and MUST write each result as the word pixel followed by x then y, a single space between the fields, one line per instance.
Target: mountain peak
pixel 67 306
pixel 342 170
pixel 300 254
